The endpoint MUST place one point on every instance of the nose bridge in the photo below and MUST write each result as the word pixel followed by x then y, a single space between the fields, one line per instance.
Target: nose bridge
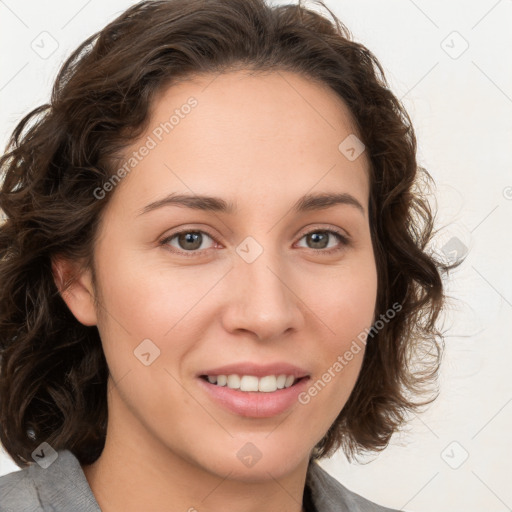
pixel 262 301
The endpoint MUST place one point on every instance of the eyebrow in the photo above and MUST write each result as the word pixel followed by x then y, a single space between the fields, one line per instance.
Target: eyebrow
pixel 308 202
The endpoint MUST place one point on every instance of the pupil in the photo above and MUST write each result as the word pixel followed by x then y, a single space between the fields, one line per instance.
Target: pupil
pixel 318 238
pixel 190 238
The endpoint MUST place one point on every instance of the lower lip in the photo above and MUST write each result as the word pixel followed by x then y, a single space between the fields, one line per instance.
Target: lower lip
pixel 255 404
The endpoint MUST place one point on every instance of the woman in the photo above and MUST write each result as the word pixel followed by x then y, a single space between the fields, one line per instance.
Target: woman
pixel 213 265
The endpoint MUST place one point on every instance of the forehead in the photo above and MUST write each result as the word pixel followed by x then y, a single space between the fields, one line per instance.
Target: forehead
pixel 278 105
pixel 276 134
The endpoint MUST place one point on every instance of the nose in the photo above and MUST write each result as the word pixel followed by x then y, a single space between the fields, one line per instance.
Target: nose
pixel 262 299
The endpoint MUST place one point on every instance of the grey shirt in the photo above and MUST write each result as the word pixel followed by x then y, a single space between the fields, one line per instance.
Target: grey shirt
pixel 63 487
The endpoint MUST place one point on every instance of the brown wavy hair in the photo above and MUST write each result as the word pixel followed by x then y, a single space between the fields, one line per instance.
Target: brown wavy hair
pixel 53 373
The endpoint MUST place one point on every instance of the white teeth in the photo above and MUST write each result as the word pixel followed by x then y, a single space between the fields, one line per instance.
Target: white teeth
pixel 281 380
pixel 249 383
pixel 233 382
pixel 266 384
pixel 289 381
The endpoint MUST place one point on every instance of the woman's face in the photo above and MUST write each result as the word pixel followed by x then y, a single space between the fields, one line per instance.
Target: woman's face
pixel 266 284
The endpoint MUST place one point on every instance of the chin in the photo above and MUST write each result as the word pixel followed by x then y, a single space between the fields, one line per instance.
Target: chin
pixel 247 463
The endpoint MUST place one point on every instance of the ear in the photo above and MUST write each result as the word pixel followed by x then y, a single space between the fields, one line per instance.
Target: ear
pixel 75 288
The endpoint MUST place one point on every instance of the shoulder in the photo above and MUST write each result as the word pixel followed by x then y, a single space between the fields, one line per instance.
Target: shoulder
pixel 329 495
pixel 61 485
pixel 17 492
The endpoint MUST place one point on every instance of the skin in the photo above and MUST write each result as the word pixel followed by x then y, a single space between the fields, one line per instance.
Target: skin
pixel 262 141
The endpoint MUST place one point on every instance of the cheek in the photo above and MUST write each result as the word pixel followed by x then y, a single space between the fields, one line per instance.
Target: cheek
pixel 147 301
pixel 161 304
pixel 344 302
pixel 346 309
pixel 142 303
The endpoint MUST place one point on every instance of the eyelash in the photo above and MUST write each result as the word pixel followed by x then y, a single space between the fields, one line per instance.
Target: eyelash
pixel 345 241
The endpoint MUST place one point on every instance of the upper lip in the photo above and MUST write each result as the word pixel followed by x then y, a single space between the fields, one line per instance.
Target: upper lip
pixel 250 368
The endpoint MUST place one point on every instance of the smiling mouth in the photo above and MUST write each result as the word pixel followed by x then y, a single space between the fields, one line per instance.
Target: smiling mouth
pixel 251 383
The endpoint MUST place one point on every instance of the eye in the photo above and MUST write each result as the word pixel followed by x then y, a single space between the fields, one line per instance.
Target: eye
pixel 319 238
pixel 189 242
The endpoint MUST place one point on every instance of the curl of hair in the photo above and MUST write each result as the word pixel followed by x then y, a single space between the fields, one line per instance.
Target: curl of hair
pixel 53 373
